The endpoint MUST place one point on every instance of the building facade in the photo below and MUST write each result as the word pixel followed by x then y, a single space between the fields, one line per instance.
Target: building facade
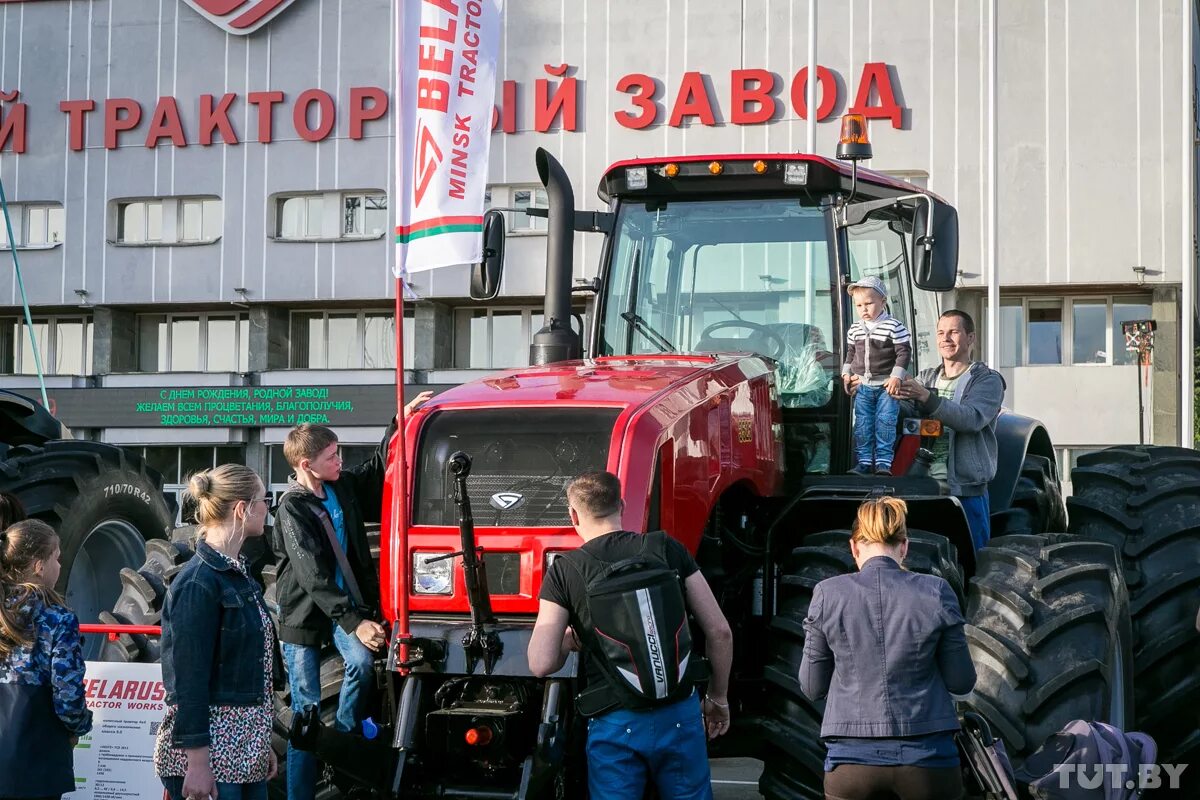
pixel 200 198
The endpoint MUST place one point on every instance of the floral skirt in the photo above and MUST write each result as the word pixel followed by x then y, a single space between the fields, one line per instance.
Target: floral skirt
pixel 240 749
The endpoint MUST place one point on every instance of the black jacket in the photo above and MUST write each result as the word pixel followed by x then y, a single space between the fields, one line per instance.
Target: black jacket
pixel 308 595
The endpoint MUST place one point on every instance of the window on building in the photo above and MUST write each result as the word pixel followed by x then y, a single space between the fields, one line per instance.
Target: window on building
pixel 34 225
pixel 169 220
pixel 1089 337
pixel 364 215
pixel 1012 333
pixel 495 338
pixel 64 345
pixel 518 197
pixel 1074 330
pixel 178 464
pixel 193 343
pixel 349 340
pixel 303 217
pixel 1045 332
pixel 300 217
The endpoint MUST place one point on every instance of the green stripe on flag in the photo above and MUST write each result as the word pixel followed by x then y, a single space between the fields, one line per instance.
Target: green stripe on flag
pixel 421 234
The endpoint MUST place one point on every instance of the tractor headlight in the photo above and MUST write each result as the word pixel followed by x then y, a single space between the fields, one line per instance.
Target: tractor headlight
pixel 430 576
pixel 636 178
pixel 795 173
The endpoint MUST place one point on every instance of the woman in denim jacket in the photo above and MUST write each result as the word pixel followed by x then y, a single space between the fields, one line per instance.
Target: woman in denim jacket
pixel 217 652
pixel 886 648
pixel 43 711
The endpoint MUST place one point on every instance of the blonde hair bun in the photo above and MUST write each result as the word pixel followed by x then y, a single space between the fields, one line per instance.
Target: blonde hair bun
pixel 881 520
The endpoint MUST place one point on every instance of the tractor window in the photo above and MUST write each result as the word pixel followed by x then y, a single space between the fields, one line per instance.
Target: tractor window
pixel 746 275
pixel 877 248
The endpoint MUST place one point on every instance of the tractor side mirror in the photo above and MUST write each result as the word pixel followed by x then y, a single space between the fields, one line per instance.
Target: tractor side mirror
pixel 485 275
pixel 934 255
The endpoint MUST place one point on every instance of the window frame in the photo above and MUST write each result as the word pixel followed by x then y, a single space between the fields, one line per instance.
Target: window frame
pixel 167 347
pixel 360 334
pixel 276 202
pixel 49 346
pixel 172 211
pixel 530 323
pixel 502 196
pixel 1068 325
pixel 20 215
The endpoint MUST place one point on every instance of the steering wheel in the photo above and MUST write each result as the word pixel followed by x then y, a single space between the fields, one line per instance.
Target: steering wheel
pixel 778 346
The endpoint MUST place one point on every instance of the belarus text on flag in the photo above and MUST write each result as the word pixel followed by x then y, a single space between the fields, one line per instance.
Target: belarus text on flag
pixel 446 77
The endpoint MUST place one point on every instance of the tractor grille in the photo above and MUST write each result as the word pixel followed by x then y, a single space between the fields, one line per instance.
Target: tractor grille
pixel 522 461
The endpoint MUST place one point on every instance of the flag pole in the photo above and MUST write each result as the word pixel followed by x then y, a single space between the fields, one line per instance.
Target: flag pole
pixel 398 527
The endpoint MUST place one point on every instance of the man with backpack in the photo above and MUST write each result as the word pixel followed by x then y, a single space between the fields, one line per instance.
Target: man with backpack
pixel 622 599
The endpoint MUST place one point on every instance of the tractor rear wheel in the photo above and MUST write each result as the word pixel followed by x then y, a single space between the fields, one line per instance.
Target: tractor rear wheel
pixel 794 762
pixel 1037 503
pixel 1049 631
pixel 104 502
pixel 1145 501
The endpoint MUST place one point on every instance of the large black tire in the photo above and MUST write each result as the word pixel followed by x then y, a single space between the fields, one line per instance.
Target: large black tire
pixel 793 764
pixel 1145 501
pixel 1037 504
pixel 1049 632
pixel 104 502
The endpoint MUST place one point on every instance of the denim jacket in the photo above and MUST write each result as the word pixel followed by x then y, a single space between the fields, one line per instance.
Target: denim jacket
pixel 887 649
pixel 212 643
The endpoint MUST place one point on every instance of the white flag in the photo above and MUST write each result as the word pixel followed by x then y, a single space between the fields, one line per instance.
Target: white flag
pixel 446 79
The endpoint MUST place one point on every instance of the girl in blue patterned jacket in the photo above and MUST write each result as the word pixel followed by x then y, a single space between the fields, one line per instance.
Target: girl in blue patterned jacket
pixel 41 668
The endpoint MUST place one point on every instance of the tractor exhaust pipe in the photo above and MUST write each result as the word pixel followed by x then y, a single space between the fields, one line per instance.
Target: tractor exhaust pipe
pixel 557 340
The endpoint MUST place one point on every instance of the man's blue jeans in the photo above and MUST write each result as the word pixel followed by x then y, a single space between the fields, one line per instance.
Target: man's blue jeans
pixel 979 517
pixel 304 680
pixel 628 749
pixel 875 415
pixel 226 791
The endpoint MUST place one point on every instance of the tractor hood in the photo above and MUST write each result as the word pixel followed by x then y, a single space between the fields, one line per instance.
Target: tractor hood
pixel 614 381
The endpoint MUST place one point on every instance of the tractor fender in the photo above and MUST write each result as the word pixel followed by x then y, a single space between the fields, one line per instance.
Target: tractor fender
pixel 1016 437
pixel 23 421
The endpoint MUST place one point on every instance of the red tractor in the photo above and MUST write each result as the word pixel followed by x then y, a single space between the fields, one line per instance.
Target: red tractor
pixel 708 382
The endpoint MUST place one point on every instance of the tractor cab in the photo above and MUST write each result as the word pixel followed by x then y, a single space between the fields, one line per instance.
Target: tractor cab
pixel 751 254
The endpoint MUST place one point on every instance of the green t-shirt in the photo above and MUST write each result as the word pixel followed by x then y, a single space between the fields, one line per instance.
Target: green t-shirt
pixel 941 446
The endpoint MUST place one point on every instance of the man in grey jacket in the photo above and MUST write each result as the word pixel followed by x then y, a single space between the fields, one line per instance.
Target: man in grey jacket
pixel 965 396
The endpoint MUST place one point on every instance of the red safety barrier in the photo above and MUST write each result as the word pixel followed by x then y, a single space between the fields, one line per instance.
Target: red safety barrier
pixel 114 631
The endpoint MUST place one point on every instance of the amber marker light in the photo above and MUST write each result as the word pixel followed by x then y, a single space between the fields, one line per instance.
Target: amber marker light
pixel 853 144
pixel 931 427
pixel 671 170
pixel 854 129
pixel 716 167
pixel 760 166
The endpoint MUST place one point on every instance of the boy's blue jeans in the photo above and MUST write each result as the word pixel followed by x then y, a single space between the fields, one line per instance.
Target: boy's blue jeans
pixel 304 679
pixel 627 750
pixel 875 415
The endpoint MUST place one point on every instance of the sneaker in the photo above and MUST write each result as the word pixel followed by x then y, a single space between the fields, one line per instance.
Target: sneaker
pixel 862 469
pixel 885 469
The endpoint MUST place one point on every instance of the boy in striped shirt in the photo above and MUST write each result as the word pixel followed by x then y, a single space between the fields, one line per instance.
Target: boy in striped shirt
pixel 878 349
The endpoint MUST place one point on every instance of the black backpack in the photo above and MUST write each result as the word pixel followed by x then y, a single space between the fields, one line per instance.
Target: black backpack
pixel 640 635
